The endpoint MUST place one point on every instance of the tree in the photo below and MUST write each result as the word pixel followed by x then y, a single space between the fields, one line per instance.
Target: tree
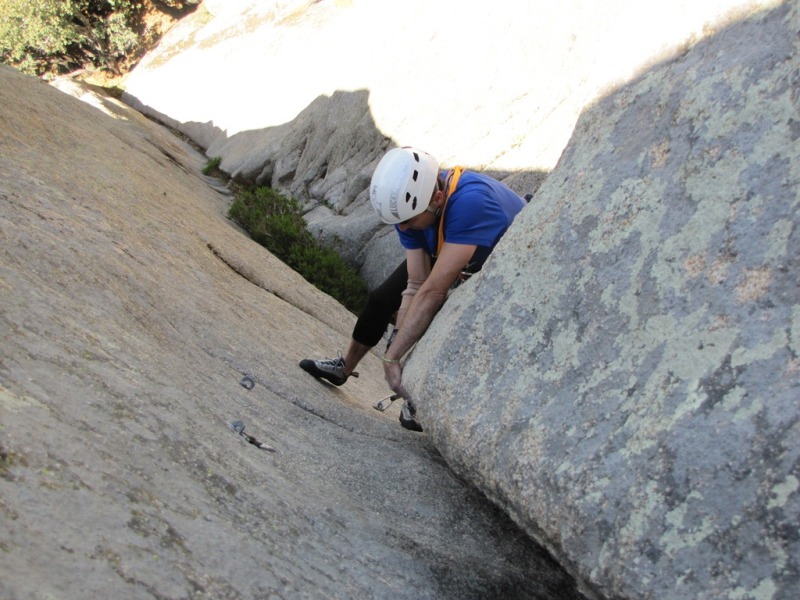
pixel 32 31
pixel 47 37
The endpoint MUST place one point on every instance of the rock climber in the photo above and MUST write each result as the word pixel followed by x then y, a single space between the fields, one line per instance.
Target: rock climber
pixel 448 221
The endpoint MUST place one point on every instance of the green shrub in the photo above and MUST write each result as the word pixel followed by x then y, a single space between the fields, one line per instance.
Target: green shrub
pixel 276 222
pixel 212 166
pixel 48 37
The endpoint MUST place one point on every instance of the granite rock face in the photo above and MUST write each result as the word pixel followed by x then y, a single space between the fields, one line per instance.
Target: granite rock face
pixel 130 312
pixel 624 375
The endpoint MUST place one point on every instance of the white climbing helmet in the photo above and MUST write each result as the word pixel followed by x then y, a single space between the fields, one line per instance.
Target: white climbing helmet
pixel 402 184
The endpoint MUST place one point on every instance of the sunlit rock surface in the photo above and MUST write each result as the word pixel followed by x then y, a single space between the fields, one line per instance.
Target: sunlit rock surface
pixel 306 96
pixel 130 311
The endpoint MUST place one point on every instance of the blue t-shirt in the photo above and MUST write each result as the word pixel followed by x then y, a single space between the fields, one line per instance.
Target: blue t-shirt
pixel 479 212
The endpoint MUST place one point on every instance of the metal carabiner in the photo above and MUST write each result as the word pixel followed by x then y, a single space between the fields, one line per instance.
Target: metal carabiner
pixel 386 402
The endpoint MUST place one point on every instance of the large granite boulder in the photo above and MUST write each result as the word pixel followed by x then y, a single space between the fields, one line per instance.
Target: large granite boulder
pixel 623 376
pixel 130 312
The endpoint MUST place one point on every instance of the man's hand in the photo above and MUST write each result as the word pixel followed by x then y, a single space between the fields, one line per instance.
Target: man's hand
pixel 393 372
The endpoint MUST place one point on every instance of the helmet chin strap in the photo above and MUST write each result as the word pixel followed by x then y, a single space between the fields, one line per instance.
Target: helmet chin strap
pixel 435 211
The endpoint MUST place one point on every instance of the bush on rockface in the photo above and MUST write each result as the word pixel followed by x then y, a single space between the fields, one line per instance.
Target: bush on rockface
pixel 54 37
pixel 212 167
pixel 276 222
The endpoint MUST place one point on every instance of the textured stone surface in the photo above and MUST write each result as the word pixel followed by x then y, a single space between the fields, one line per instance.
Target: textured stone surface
pixel 130 309
pixel 305 96
pixel 623 376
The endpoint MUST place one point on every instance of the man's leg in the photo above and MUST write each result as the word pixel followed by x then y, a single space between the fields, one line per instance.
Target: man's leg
pixel 355 352
pixel 382 303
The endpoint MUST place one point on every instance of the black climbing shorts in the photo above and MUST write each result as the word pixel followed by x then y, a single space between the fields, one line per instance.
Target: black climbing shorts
pixel 383 302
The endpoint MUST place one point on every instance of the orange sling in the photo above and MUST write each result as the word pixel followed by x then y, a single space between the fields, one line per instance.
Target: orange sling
pixel 450 186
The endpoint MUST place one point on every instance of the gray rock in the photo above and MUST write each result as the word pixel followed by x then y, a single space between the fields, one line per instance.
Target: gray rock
pixel 324 158
pixel 349 235
pixel 130 311
pixel 623 376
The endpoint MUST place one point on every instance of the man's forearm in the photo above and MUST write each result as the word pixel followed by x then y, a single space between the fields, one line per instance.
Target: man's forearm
pixel 424 306
pixel 407 297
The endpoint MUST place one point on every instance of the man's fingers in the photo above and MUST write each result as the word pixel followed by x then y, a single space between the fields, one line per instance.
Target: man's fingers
pixel 394 377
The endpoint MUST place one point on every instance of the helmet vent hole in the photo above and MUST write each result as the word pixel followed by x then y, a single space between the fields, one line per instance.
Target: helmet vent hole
pixel 416 157
pixel 414 204
pixel 416 174
pixel 408 197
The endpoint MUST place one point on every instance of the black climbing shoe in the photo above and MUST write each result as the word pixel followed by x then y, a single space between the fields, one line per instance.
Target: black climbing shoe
pixel 408 417
pixel 331 369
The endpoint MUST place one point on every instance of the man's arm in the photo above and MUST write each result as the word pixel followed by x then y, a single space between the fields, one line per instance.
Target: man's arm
pixel 426 303
pixel 418 265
